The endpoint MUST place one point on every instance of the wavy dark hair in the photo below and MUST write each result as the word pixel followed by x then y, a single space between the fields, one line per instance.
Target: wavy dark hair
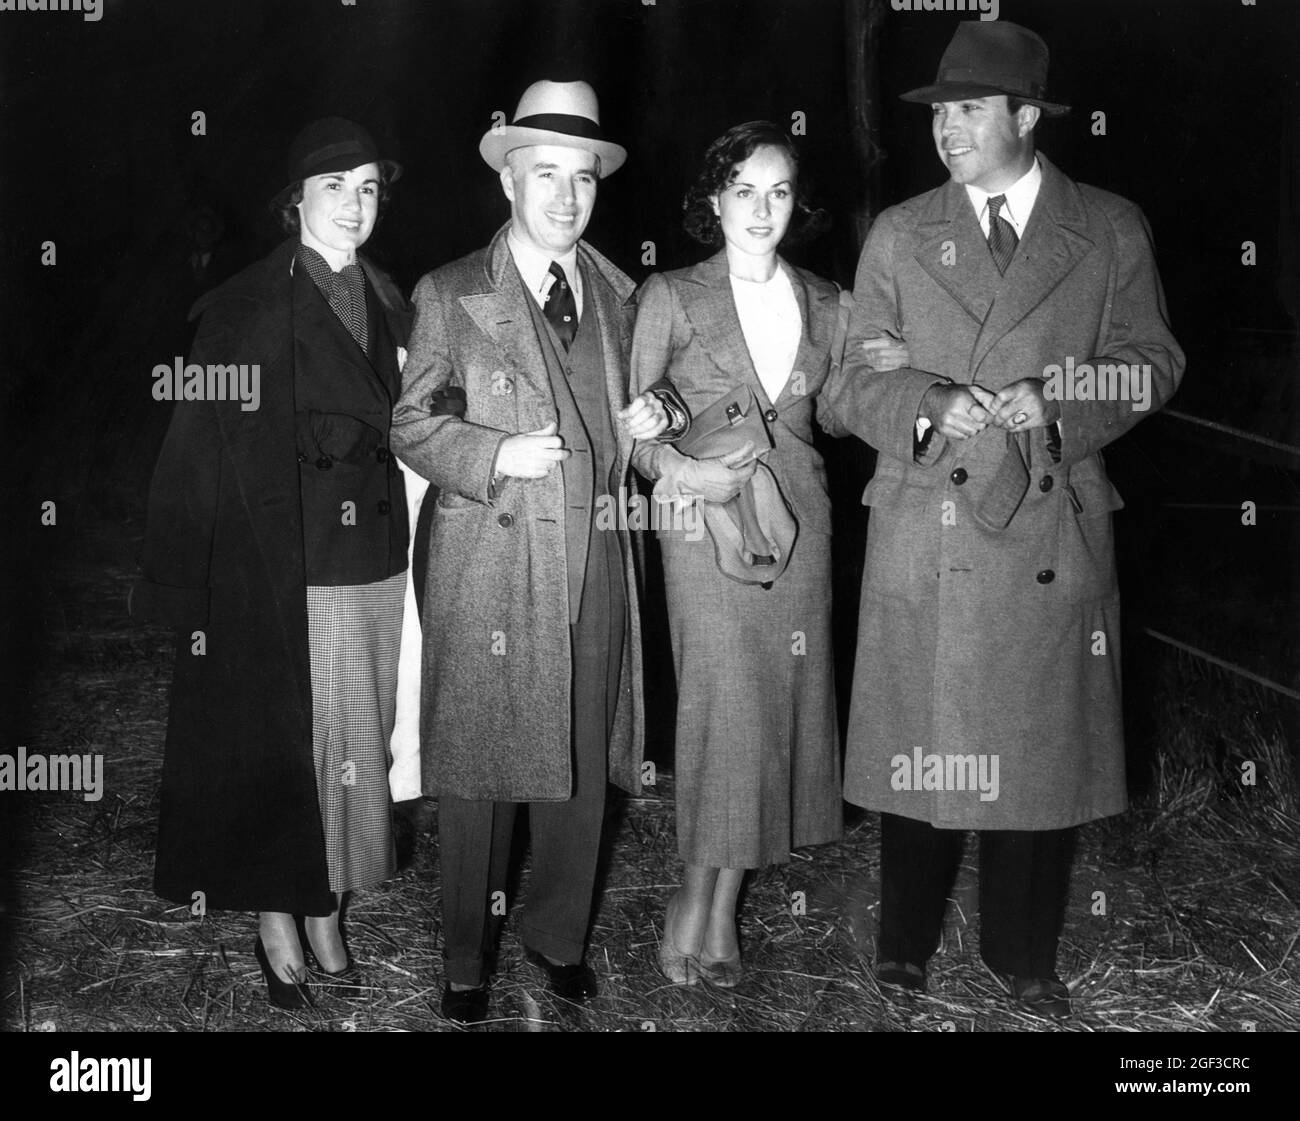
pixel 285 205
pixel 722 160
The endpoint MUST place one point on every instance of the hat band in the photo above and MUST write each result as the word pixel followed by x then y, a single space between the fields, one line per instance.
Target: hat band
pixel 567 123
pixel 343 148
pixel 971 76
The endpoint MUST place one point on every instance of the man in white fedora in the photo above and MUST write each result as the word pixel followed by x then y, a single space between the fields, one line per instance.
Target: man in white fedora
pixel 514 405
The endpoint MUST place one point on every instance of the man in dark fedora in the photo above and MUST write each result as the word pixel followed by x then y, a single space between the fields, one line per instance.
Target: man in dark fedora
pixel 986 691
pixel 514 406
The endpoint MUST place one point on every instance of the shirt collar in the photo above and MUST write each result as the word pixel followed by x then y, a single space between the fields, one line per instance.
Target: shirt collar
pixel 535 266
pixel 1021 196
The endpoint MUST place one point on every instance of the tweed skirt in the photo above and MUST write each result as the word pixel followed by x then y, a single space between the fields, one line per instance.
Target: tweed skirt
pixel 757 760
pixel 355 634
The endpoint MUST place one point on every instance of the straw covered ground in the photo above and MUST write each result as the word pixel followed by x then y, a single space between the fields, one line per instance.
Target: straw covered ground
pixel 1197 929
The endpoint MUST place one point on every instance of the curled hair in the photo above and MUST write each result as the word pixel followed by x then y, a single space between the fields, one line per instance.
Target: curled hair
pixel 285 205
pixel 722 163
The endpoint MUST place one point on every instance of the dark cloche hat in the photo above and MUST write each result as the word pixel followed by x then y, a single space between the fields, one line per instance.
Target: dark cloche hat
pixel 332 144
pixel 987 58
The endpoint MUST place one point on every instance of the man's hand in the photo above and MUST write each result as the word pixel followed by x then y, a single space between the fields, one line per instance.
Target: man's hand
pixel 644 418
pixel 714 480
pixel 885 354
pixel 1022 405
pixel 957 411
pixel 530 455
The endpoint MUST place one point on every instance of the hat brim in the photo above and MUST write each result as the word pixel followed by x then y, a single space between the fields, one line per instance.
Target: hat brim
pixel 393 168
pixel 497 143
pixel 959 91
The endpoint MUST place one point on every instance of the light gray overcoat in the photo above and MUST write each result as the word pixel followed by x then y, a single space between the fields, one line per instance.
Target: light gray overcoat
pixel 990 609
pixel 496 676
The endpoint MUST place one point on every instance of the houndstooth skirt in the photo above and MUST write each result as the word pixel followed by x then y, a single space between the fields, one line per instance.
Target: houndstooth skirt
pixel 355 634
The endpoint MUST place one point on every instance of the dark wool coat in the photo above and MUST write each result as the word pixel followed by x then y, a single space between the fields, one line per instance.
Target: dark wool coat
pixel 990 609
pixel 223 554
pixel 497 669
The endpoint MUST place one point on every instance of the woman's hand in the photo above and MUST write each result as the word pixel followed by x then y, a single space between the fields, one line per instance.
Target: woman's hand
pixel 885 353
pixel 715 480
pixel 644 418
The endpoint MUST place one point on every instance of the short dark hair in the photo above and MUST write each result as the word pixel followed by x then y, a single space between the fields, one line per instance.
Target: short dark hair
pixel 722 160
pixel 285 205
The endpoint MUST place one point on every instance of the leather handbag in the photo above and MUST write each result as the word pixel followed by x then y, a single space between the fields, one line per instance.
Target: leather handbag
pixel 752 545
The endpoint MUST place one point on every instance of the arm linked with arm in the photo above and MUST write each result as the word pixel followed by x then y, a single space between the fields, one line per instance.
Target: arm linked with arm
pixel 879 407
pixel 429 431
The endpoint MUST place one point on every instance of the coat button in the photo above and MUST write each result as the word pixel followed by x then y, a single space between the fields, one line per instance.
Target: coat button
pixel 302 457
pixel 324 463
pixel 383 506
pixel 959 476
pixel 1046 576
pixel 1045 483
pixel 381 454
pixel 505 521
pixel 770 415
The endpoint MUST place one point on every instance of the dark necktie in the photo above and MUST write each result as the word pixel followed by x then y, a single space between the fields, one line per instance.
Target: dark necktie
pixel 560 309
pixel 1002 235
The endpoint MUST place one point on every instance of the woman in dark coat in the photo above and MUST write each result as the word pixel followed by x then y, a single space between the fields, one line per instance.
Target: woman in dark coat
pixel 757 752
pixel 276 543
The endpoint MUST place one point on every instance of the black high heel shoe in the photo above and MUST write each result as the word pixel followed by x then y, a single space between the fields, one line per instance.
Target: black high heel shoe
pixel 348 981
pixel 283 994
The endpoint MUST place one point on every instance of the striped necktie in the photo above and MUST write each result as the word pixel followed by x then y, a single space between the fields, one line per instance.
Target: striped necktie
pixel 1002 235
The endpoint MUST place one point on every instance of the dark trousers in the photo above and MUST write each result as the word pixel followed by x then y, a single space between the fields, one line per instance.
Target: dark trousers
pixel 1023 888
pixel 474 836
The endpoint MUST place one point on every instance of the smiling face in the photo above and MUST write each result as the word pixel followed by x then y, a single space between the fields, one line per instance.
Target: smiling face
pixel 552 191
pixel 338 212
pixel 982 144
pixel 755 208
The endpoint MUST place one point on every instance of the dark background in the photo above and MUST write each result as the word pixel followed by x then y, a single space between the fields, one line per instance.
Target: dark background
pixel 1200 98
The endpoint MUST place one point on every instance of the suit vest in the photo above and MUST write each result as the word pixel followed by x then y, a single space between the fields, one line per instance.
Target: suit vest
pixel 582 404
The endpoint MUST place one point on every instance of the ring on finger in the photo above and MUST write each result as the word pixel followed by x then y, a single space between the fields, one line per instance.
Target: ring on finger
pixel 1020 418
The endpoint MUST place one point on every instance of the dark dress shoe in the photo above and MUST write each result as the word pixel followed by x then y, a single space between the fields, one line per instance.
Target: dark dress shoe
pixel 283 994
pixel 465 1006
pixel 1043 996
pixel 574 983
pixel 901 975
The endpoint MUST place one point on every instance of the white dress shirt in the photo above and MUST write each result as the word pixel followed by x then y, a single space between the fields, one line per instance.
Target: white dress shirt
pixel 769 320
pixel 1021 196
pixel 534 266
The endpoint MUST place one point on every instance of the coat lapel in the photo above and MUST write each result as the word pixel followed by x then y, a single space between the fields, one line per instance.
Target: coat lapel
pixel 711 309
pixel 500 312
pixel 951 248
pixel 610 295
pixel 1054 243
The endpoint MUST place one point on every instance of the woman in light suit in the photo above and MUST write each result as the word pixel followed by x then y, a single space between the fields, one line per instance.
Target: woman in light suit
pixel 757 750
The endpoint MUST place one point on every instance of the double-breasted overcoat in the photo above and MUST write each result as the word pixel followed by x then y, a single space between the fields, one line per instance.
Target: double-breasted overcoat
pixel 990 610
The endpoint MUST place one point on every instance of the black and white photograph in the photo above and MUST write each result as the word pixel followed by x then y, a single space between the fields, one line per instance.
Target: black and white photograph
pixel 765 516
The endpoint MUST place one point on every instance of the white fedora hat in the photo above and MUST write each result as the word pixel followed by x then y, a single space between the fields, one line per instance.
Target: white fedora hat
pixel 561 113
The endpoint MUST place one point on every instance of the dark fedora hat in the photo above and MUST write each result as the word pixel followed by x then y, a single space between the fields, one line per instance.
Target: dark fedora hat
pixel 987 58
pixel 332 144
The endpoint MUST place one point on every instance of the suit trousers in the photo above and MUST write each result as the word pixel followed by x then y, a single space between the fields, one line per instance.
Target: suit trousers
pixel 474 836
pixel 1024 881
